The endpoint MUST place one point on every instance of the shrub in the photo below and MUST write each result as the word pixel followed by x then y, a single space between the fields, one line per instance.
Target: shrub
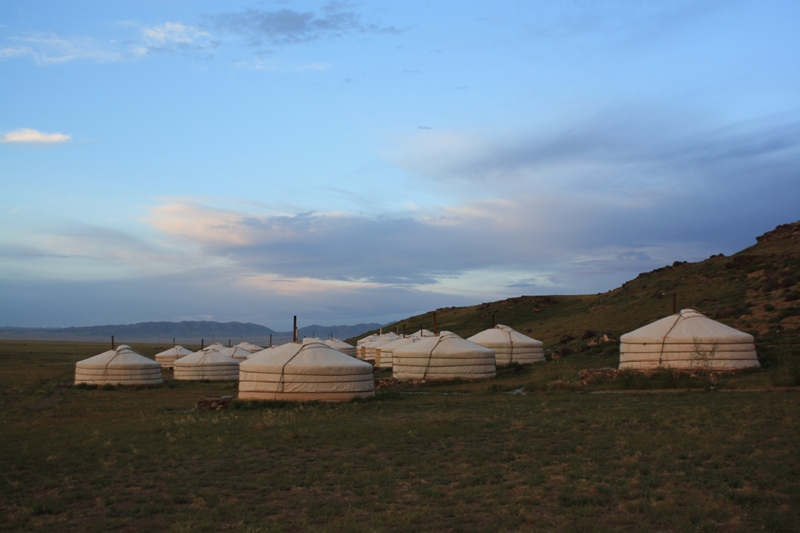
pixel 766 356
pixel 790 311
pixel 770 285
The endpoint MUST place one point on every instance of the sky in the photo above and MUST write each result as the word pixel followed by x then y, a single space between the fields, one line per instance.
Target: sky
pixel 367 161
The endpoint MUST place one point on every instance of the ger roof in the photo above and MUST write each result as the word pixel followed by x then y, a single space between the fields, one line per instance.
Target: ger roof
pixel 122 357
pixel 688 326
pixel 312 358
pixel 501 335
pixel 446 344
pixel 175 350
pixel 206 358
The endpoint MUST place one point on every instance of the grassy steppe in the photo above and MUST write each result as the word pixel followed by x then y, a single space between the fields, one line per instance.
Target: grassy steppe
pixel 456 457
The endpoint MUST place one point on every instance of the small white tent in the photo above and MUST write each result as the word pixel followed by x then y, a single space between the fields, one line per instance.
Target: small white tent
pixel 361 343
pixel 167 357
pixel 216 346
pixel 384 354
pixel 207 364
pixel 121 366
pixel 446 356
pixel 687 340
pixel 236 352
pixel 249 346
pixel 370 349
pixel 305 372
pixel 422 333
pixel 265 350
pixel 342 346
pixel 509 345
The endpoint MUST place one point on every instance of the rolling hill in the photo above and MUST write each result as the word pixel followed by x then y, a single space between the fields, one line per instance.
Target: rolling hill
pixel 755 290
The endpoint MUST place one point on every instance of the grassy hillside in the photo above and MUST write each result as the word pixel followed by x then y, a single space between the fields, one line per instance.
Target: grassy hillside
pixel 756 290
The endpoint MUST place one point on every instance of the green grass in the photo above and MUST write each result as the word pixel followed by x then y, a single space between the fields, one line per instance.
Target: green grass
pixel 413 459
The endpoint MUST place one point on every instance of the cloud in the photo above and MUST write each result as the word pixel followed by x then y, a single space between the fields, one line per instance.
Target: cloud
pixel 615 152
pixel 593 205
pixel 211 293
pixel 287 26
pixel 47 48
pixel 481 247
pixel 80 251
pixel 173 36
pixel 394 249
pixel 257 26
pixel 172 32
pixel 28 135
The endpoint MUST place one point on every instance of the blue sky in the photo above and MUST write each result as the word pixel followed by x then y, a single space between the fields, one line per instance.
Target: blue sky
pixel 349 162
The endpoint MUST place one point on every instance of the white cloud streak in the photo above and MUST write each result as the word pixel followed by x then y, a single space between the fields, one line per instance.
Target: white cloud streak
pixel 32 136
pixel 50 49
pixel 172 37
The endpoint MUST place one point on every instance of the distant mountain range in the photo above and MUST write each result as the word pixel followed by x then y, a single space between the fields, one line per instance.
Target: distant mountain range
pixel 187 332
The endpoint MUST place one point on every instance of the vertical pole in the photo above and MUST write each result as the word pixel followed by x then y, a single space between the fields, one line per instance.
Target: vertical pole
pixel 112 342
pixel 294 330
pixel 202 343
pixel 404 329
pixel 229 343
pixel 674 303
pixel 173 342
pixel 270 340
